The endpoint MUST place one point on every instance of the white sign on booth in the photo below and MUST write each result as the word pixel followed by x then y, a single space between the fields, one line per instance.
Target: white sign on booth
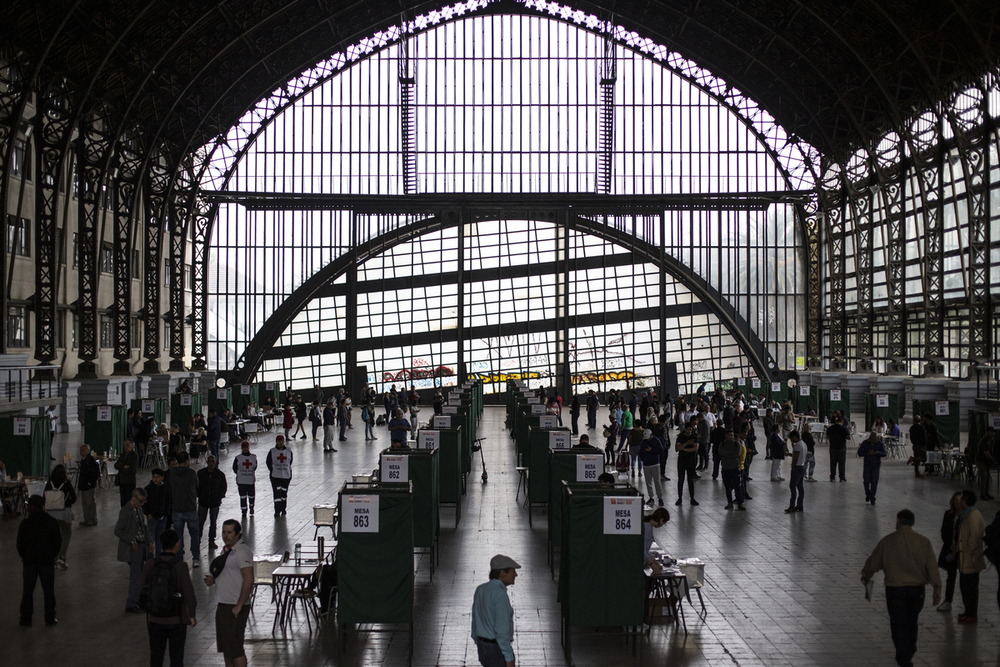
pixel 268 386
pixel 360 514
pixel 22 426
pixel 245 389
pixel 775 387
pixel 741 382
pixel 548 421
pixel 882 400
pixel 103 413
pixel 532 400
pixel 429 440
pixel 835 396
pixel 804 390
pixel 755 383
pixel 148 406
pixel 395 468
pixel 588 467
pixel 449 409
pixel 186 399
pixel 941 408
pixel 995 420
pixel 442 421
pixel 222 394
pixel 622 516
pixel 559 440
pixel 538 409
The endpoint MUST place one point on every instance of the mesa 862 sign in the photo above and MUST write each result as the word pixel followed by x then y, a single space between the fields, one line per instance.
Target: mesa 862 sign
pixel 360 514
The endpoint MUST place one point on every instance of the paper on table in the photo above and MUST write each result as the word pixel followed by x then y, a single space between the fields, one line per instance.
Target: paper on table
pixel 869 587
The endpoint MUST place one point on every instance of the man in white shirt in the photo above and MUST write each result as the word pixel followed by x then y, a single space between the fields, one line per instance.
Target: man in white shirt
pixel 232 576
pixel 800 452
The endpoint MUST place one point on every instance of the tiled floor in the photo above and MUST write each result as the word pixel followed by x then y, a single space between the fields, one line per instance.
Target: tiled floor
pixel 780 589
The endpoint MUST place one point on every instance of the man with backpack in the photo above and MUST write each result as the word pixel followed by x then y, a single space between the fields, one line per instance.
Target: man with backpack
pixel 169 601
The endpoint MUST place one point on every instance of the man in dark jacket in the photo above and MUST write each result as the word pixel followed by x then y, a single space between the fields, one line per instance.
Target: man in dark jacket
pixel 837 435
pixel 170 628
pixel 211 490
pixel 38 544
pixel 214 433
pixel 183 483
pixel 592 405
pixel 90 476
pixel 135 545
pixel 329 426
pixel 127 465
pixel 157 507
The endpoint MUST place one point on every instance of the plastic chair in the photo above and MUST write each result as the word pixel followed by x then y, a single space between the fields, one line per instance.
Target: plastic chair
pixel 325 516
pixel 522 481
pixel 308 596
pixel 263 573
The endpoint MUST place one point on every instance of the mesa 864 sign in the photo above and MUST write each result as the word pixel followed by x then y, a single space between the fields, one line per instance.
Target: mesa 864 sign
pixel 360 514
pixel 622 515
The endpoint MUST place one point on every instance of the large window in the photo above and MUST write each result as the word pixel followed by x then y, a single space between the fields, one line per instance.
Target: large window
pixel 18 235
pixel 17 326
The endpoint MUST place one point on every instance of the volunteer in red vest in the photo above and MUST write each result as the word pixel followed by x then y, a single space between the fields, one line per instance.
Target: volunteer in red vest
pixel 245 467
pixel 279 462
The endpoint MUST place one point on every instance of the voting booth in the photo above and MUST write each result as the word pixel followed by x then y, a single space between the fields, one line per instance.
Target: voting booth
pixel 581 465
pixel 419 469
pixel 778 391
pixel 804 397
pixel 243 394
pixel 152 407
pixel 833 399
pixel 24 445
pixel 978 421
pixel 601 579
pixel 451 478
pixel 219 399
pixel 541 439
pixel 104 428
pixel 183 407
pixel 375 556
pixel 881 405
pixel 945 414
pixel 267 390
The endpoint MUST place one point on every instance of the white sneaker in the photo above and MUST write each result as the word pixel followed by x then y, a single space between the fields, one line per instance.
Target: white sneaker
pixel 944 606
pixel 195 564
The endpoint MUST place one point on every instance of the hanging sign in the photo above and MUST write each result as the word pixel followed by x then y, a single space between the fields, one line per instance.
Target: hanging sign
pixel 103 413
pixel 882 400
pixel 588 467
pixel 22 426
pixel 532 400
pixel 395 468
pixel 450 409
pixel 547 421
pixel 559 440
pixel 455 400
pixel 538 409
pixel 442 421
pixel 360 514
pixel 622 516
pixel 941 408
pixel 222 394
pixel 835 396
pixel 741 382
pixel 148 406
pixel 755 383
pixel 775 387
pixel 804 390
pixel 429 440
pixel 245 389
pixel 995 420
pixel 268 386
pixel 186 399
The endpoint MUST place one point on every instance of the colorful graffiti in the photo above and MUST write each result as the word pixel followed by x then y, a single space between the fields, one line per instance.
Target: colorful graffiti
pixel 418 374
pixel 590 377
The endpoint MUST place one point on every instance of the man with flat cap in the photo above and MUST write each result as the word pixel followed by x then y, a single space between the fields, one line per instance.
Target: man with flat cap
pixel 492 615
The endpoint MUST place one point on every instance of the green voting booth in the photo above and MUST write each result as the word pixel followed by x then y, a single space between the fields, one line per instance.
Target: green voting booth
pixel 243 394
pixel 419 468
pixel 24 445
pixel 540 441
pixel 152 407
pixel 375 556
pixel 183 407
pixel 104 428
pixel 577 465
pixel 881 405
pixel 834 399
pixel 451 479
pixel 220 398
pixel 946 418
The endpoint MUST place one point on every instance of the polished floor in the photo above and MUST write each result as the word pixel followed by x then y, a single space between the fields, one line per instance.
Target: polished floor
pixel 780 589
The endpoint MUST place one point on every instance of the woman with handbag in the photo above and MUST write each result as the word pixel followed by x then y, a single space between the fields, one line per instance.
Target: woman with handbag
pixel 59 499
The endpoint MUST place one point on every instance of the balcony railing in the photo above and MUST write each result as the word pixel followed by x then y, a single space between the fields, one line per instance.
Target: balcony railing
pixel 28 385
pixel 988 383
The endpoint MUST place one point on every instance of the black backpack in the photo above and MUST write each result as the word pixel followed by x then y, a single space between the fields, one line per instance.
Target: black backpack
pixel 162 594
pixel 991 540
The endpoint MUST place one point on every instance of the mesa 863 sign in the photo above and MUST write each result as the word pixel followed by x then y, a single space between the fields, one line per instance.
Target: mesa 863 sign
pixel 360 514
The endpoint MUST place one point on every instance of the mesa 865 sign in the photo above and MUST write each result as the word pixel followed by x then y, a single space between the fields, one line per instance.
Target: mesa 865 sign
pixel 359 514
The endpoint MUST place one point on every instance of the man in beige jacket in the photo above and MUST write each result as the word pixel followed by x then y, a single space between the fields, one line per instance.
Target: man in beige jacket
pixel 910 564
pixel 969 549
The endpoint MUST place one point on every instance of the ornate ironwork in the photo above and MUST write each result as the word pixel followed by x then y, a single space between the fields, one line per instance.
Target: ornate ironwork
pixel 126 179
pixel 156 211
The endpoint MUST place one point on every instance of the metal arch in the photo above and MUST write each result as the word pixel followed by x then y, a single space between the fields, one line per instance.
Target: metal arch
pixel 736 325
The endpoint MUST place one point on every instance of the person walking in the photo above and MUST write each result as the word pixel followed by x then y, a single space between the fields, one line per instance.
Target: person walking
pixel 38 544
pixel 907 558
pixel 344 416
pixel 574 414
pixel 287 419
pixel 87 482
pixel 969 551
pixel 593 403
pixel 729 456
pixel 127 465
pixel 301 412
pixel 984 463
pixel 649 454
pixel 183 483
pixel 245 470
pixel 212 487
pixel 873 451
pixel 316 419
pixel 158 507
pixel 687 461
pixel 135 545
pixel 368 417
pixel 279 463
pixel 946 558
pixel 837 435
pixel 232 575
pixel 59 499
pixel 776 452
pixel 329 426
pixel 214 431
pixel 798 473
pixel 492 615
pixel 168 619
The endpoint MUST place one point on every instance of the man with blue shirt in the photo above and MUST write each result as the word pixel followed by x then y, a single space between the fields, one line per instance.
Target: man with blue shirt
pixel 492 615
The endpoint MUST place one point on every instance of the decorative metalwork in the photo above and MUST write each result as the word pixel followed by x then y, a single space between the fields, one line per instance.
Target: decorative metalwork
pixel 156 212
pixel 126 179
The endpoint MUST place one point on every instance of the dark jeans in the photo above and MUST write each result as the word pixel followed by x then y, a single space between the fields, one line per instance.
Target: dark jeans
pixel 797 487
pixel 576 422
pixel 490 655
pixel 156 528
pixel 210 513
pixel 949 586
pixel 716 465
pixel 47 575
pixel 279 488
pixel 969 585
pixel 869 477
pixel 591 419
pixel 125 492
pixel 686 463
pixel 731 478
pixel 248 494
pixel 703 451
pixel 904 603
pixel 838 459
pixel 159 635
